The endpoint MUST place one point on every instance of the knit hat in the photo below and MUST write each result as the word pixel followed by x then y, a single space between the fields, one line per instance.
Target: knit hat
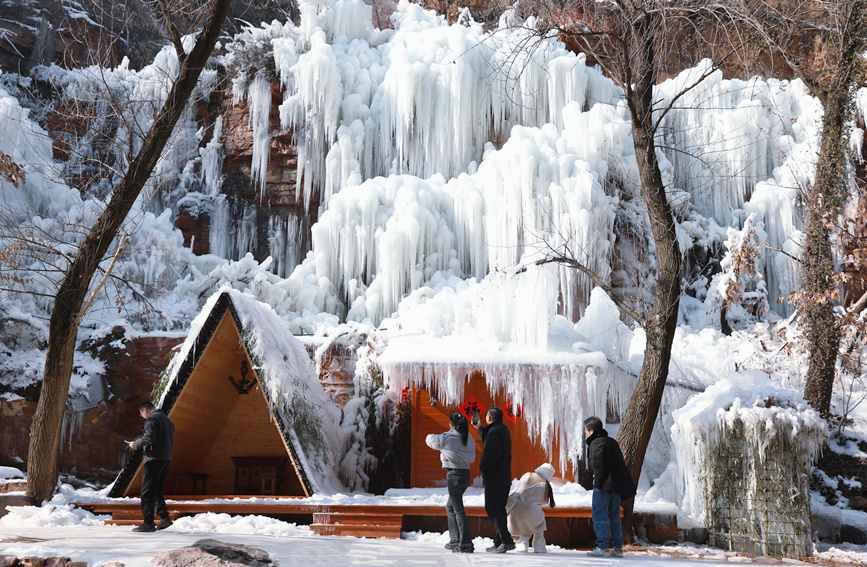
pixel 546 471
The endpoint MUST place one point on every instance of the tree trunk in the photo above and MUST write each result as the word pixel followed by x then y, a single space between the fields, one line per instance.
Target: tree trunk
pixel 829 188
pixel 637 424
pixel 63 327
pixel 824 205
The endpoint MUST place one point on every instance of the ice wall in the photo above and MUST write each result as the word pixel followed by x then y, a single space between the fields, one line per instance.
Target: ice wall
pixel 422 99
pixel 745 147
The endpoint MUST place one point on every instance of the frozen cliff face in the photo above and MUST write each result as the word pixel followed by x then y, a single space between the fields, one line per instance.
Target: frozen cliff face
pixel 395 110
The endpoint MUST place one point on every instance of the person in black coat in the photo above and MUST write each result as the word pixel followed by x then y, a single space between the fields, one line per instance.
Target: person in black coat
pixel 611 484
pixel 156 442
pixel 496 467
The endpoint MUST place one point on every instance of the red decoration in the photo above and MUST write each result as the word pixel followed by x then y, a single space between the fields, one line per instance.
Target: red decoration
pixel 472 407
pixel 513 412
pixel 404 394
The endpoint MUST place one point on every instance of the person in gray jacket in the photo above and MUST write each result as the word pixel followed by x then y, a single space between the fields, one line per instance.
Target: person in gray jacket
pixel 457 452
pixel 156 442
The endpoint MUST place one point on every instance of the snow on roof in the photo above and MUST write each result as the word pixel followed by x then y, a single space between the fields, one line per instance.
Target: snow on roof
pixel 765 409
pixel 292 388
pixel 559 383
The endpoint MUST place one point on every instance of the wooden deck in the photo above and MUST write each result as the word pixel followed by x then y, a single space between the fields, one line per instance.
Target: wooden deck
pixel 326 519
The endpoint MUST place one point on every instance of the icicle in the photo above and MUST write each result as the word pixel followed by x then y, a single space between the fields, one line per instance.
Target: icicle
pixel 212 160
pixel 221 234
pixel 259 100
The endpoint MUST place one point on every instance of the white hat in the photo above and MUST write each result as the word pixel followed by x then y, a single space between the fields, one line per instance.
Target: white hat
pixel 546 471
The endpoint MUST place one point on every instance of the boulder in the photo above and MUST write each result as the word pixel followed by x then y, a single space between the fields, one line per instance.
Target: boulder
pixel 853 534
pixel 858 503
pixel 213 553
pixel 826 527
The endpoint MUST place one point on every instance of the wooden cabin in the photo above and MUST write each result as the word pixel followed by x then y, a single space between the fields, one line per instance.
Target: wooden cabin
pixel 227 440
pixel 429 415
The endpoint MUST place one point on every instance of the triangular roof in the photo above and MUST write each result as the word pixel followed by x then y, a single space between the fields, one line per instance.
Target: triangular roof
pixel 301 410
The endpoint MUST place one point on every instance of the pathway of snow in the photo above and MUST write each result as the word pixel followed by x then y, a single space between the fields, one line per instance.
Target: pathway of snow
pixel 104 544
pixel 296 546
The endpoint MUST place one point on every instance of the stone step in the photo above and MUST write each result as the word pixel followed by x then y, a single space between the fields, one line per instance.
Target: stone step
pixel 391 532
pixel 348 518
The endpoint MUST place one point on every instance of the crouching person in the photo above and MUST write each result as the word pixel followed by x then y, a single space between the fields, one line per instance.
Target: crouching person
pixel 526 518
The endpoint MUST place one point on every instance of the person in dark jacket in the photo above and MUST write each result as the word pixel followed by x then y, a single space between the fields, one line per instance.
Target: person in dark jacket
pixel 496 467
pixel 611 484
pixel 156 442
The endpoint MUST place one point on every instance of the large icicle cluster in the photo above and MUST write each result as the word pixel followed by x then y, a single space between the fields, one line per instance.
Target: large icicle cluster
pixel 542 193
pixel 578 371
pixel 741 147
pixel 422 99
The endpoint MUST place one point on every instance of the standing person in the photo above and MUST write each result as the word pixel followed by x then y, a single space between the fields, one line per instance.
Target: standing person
pixel 526 518
pixel 496 467
pixel 156 443
pixel 611 483
pixel 457 452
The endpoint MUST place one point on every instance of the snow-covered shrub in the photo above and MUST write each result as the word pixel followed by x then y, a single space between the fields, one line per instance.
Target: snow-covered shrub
pixel 370 424
pixel 745 449
pixel 740 291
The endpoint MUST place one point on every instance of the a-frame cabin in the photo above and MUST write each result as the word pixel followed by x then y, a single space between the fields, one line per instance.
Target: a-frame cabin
pixel 228 438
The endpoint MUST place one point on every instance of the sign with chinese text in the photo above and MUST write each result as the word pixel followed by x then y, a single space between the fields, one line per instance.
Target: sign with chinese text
pixel 513 411
pixel 471 408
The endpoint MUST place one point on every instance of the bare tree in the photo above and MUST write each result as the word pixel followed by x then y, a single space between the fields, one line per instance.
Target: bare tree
pixel 822 42
pixel 70 299
pixel 636 43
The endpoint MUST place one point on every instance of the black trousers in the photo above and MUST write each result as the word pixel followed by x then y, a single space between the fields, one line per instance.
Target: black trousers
pixel 153 481
pixel 495 506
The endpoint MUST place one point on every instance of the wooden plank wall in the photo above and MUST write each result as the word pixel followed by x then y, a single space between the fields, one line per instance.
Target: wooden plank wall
pixel 426 468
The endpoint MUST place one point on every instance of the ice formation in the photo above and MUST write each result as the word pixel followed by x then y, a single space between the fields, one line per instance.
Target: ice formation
pixel 449 162
pixel 763 411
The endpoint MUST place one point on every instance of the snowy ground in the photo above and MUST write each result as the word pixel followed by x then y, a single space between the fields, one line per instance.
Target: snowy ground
pixel 291 546
pixel 58 528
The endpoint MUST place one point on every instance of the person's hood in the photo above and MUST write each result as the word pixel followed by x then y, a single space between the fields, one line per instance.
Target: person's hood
pixel 546 471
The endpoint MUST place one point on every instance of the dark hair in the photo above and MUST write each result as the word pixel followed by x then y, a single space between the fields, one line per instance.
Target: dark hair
pixel 461 426
pixel 146 405
pixel 593 424
pixel 550 496
pixel 495 413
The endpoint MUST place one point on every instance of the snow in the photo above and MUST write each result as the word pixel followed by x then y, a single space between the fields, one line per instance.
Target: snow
pixel 448 165
pixel 287 544
pixel 55 532
pixel 10 472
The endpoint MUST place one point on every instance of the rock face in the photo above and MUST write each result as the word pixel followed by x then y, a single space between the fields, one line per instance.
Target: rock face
pixel 12 561
pixel 213 553
pixel 336 372
pixel 93 439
